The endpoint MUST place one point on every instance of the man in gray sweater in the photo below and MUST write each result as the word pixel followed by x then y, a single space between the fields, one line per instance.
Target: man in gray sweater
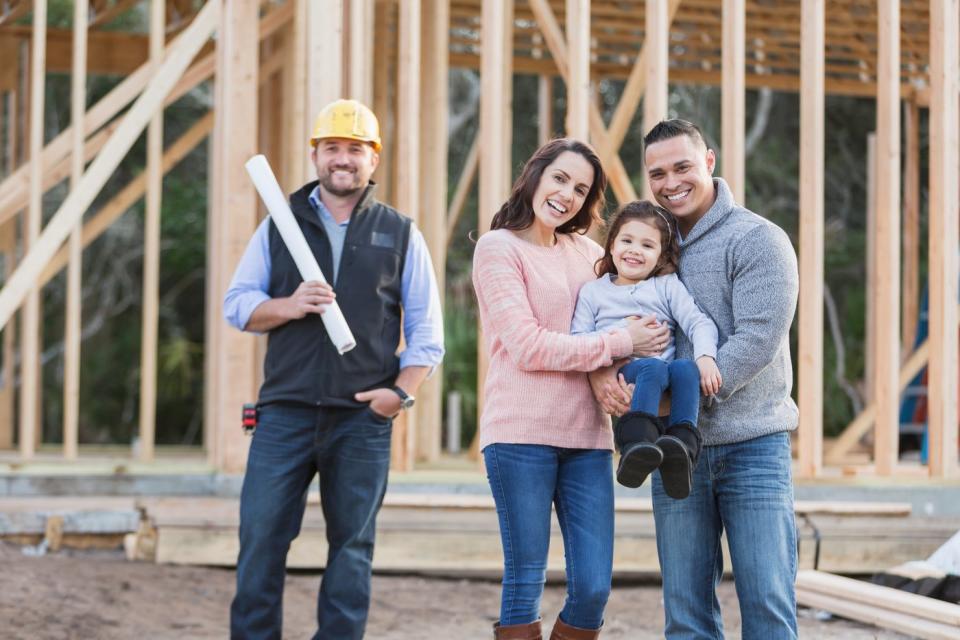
pixel 742 271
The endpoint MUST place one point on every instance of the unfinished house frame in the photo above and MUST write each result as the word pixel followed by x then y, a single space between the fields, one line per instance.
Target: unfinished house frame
pixel 395 55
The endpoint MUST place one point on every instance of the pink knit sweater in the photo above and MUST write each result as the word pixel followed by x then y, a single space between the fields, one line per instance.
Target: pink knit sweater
pixel 536 390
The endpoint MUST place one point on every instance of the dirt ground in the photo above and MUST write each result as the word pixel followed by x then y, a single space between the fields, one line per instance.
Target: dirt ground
pixel 102 596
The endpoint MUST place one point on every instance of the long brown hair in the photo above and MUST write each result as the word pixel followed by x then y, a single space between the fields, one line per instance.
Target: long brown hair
pixel 656 217
pixel 517 212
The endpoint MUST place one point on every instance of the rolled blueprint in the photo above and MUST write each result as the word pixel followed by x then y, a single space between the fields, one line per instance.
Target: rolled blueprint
pixel 276 202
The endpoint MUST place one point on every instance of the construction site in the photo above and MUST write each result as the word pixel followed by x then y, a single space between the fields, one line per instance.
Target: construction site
pixel 126 125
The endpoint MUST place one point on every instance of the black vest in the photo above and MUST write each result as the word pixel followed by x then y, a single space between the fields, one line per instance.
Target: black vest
pixel 302 366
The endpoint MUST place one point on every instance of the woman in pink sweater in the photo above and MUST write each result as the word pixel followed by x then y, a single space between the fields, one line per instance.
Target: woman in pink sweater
pixel 546 442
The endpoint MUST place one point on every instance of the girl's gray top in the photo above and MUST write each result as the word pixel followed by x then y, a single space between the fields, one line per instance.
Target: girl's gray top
pixel 603 305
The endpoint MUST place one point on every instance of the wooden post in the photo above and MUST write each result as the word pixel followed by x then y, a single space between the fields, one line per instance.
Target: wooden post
pixel 12 131
pixel 496 116
pixel 359 68
pixel 944 198
pixel 8 244
pixel 911 226
pixel 656 40
pixel 887 246
pixel 325 77
pixel 578 82
pixel 433 195
pixel 151 253
pixel 299 120
pixel 544 108
pixel 30 389
pixel 810 391
pixel 734 96
pixel 71 350
pixel 870 331
pixel 633 91
pixel 408 182
pixel 383 48
pixel 234 204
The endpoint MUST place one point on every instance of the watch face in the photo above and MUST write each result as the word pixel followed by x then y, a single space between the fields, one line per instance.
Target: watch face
pixel 407 402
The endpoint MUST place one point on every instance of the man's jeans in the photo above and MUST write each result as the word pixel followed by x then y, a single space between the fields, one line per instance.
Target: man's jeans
pixel 652 376
pixel 746 489
pixel 350 449
pixel 526 479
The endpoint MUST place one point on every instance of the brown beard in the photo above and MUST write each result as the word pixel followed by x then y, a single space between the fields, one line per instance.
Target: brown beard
pixel 340 192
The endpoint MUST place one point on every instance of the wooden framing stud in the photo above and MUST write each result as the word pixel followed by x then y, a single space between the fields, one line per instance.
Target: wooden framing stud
pixel 435 30
pixel 943 229
pixel 578 64
pixel 733 159
pixel 656 41
pixel 151 253
pixel 30 389
pixel 886 288
pixel 810 391
pixel 71 351
pixel 910 294
pixel 496 117
pixel 234 206
pixel 408 183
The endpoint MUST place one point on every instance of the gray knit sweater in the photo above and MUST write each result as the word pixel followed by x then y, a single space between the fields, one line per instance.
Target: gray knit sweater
pixel 742 271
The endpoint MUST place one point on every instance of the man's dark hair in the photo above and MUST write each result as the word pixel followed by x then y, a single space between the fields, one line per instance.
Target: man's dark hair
pixel 666 129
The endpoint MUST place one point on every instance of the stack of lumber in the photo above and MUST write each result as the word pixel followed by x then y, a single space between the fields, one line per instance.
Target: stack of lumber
pixel 918 616
pixel 445 532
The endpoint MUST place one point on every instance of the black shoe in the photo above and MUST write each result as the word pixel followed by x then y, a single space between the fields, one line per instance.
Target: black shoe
pixel 635 435
pixel 681 451
pixel 637 461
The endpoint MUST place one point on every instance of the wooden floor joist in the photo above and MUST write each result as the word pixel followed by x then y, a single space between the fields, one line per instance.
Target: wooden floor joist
pixel 203 530
pixel 918 616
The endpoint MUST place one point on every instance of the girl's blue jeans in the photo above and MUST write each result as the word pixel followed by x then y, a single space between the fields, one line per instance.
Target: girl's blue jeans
pixel 526 480
pixel 652 376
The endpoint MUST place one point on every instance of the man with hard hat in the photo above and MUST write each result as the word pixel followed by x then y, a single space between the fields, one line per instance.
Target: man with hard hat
pixel 322 413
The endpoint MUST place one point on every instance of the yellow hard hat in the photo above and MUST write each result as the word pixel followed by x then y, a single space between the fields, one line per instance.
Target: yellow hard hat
pixel 347 119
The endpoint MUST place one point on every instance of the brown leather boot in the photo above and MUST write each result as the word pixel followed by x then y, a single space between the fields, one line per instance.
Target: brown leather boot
pixel 563 631
pixel 528 631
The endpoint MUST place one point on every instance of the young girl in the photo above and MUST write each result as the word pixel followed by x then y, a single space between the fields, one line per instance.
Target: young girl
pixel 638 278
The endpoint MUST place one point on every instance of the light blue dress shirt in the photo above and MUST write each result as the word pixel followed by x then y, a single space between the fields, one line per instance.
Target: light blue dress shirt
pixel 422 316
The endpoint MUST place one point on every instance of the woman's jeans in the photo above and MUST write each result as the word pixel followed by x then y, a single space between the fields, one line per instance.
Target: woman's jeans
pixel 350 450
pixel 744 489
pixel 526 480
pixel 652 376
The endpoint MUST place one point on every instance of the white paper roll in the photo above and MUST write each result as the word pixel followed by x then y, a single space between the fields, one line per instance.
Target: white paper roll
pixel 276 202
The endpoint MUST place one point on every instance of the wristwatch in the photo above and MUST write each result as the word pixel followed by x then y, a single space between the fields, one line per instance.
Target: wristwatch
pixel 406 400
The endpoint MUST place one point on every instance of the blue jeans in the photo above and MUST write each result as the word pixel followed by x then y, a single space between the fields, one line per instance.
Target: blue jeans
pixel 744 488
pixel 350 450
pixel 526 479
pixel 653 376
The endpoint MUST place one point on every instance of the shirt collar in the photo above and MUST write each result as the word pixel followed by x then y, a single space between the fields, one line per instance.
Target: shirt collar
pixel 322 212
